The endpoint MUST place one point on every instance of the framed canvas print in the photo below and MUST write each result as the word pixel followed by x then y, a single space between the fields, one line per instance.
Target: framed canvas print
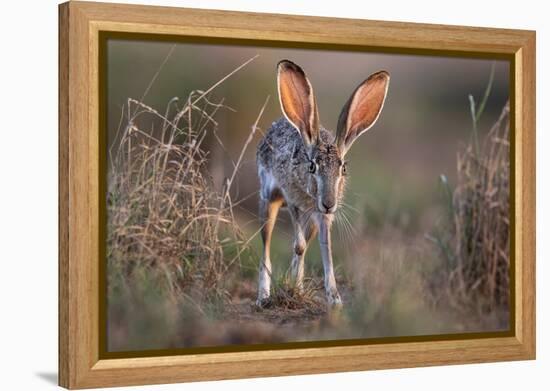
pixel 248 195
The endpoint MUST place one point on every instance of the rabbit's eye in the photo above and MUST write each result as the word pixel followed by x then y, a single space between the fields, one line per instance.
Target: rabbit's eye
pixel 312 167
pixel 344 168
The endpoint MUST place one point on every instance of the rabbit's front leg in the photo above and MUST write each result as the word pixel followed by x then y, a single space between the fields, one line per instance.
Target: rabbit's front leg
pixel 325 222
pixel 298 249
pixel 304 231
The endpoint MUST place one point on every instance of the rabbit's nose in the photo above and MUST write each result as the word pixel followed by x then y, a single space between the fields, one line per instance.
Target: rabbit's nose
pixel 328 205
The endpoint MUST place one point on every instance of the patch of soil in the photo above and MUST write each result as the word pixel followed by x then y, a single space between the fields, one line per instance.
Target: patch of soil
pixel 294 317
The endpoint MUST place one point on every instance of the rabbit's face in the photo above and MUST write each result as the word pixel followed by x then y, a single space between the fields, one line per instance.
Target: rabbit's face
pixel 328 170
pixel 326 159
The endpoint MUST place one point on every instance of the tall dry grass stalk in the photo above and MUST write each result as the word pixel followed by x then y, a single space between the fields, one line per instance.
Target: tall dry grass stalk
pixel 476 240
pixel 166 217
pixel 482 220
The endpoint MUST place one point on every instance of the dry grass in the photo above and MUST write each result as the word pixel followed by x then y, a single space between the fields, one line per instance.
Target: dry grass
pixel 166 217
pixel 177 259
pixel 482 220
pixel 285 296
pixel 477 243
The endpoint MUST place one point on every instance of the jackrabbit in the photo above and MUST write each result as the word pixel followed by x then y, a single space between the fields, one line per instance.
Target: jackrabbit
pixel 302 166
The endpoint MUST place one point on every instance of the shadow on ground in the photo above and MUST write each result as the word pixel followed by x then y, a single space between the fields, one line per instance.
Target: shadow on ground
pixel 48 377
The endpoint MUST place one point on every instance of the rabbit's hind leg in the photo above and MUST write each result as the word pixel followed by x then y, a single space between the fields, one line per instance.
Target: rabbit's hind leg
pixel 269 208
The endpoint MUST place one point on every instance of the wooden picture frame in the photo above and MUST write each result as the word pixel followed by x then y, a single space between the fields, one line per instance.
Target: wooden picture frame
pixel 81 364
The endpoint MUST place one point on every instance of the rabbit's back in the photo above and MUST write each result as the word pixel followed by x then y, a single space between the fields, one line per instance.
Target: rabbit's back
pixel 281 143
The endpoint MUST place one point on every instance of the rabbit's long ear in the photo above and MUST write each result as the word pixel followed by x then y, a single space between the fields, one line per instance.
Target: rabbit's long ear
pixel 298 101
pixel 362 109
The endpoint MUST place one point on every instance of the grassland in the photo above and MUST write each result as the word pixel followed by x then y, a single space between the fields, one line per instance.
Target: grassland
pixel 182 253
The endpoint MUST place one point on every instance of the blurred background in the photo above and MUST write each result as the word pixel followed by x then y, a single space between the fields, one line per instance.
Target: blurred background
pixel 425 118
pixel 394 197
